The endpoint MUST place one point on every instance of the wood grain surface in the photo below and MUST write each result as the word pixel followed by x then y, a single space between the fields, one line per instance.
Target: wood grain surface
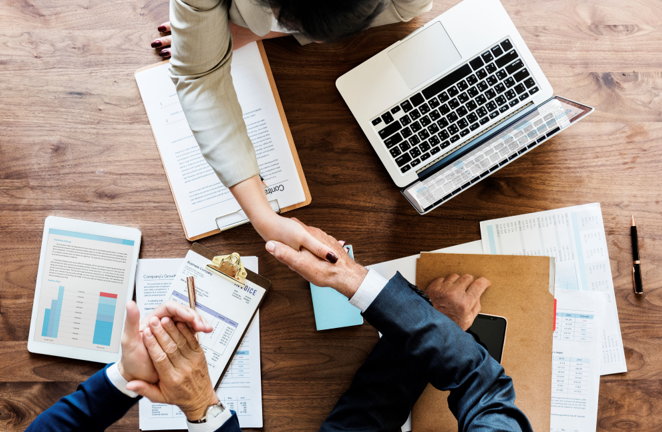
pixel 75 142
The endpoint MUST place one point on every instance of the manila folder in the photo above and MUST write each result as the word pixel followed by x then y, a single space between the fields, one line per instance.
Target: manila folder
pixel 520 292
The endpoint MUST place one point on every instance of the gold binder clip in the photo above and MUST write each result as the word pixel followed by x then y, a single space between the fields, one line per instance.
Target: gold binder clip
pixel 229 266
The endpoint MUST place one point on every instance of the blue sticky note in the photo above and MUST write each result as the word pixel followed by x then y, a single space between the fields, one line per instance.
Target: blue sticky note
pixel 332 309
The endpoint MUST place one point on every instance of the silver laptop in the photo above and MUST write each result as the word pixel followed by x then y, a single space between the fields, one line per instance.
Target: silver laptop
pixel 455 101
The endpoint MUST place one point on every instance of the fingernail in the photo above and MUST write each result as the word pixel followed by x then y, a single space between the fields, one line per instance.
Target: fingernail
pixel 162 29
pixel 154 321
pixel 165 53
pixel 156 44
pixel 342 242
pixel 332 258
pixel 271 246
pixel 147 333
pixel 166 321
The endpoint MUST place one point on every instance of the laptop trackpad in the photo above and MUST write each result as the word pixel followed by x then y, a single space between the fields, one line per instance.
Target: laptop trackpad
pixel 425 55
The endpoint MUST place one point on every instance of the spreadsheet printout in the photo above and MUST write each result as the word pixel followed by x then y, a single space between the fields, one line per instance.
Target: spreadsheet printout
pixel 576 360
pixel 241 387
pixel 575 237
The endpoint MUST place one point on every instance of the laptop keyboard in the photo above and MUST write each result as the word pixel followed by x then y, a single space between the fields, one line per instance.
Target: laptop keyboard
pixel 477 93
pixel 500 150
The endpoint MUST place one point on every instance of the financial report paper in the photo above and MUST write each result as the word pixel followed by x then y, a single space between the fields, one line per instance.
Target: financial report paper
pixel 200 196
pixel 241 387
pixel 575 237
pixel 578 336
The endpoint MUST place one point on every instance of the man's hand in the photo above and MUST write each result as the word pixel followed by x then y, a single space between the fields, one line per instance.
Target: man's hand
pixel 458 297
pixel 182 368
pixel 345 276
pixel 178 313
pixel 135 363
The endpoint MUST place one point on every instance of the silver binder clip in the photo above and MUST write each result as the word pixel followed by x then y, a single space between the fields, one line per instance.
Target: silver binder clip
pixel 238 217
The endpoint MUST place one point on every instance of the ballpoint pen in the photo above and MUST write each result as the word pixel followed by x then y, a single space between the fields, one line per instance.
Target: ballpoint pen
pixel 636 264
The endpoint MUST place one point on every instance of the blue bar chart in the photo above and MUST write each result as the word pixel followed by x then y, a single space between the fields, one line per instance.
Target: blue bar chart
pixel 52 316
pixel 103 327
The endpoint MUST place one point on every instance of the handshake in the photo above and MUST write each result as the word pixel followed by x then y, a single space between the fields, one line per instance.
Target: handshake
pixel 163 361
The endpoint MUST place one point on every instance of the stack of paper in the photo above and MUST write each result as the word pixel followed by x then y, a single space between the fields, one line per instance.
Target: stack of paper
pixel 587 340
pixel 240 389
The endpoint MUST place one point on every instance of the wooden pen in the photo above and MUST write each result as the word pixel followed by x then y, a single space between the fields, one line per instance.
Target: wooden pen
pixel 190 284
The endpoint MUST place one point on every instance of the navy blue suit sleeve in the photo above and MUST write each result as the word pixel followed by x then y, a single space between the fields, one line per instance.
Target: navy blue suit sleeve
pixel 95 405
pixel 482 396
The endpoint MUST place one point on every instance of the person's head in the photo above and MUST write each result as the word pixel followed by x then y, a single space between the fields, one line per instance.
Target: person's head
pixel 325 20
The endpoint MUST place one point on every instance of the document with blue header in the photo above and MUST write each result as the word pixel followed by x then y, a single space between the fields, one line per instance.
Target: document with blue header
pixel 575 236
pixel 332 309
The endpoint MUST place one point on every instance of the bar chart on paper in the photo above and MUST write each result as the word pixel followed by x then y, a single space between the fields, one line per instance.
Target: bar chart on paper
pixel 52 316
pixel 103 327
pixel 78 317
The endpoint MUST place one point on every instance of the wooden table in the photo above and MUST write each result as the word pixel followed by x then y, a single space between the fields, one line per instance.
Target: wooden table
pixel 75 142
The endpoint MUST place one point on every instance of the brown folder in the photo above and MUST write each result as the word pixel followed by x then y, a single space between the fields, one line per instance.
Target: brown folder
pixel 520 292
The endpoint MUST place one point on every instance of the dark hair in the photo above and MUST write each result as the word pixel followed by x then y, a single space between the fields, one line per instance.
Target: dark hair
pixel 325 20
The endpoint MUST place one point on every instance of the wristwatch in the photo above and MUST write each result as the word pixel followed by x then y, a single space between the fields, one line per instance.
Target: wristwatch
pixel 212 412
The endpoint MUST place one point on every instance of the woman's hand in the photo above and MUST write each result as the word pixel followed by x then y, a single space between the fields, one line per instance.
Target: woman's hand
pixel 241 36
pixel 162 43
pixel 250 196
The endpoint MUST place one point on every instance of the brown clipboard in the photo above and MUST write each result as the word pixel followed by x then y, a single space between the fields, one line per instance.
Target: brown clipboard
pixel 288 133
pixel 520 292
pixel 251 277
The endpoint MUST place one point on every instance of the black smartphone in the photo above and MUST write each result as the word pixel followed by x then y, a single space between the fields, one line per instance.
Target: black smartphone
pixel 490 332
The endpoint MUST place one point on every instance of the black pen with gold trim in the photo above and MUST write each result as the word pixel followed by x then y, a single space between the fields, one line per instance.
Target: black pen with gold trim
pixel 636 264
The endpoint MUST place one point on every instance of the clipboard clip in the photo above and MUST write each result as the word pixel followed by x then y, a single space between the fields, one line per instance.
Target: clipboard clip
pixel 235 218
pixel 230 267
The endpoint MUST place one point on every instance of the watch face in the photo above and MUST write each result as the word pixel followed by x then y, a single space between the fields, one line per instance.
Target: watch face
pixel 215 410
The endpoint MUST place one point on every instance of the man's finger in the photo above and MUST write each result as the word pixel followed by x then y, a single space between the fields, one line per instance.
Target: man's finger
pixel 159 357
pixel 321 250
pixel 177 336
pixel 132 324
pixel 189 336
pixel 464 281
pixel 150 391
pixel 167 344
pixel 283 253
pixel 475 311
pixel 451 278
pixel 178 312
pixel 478 287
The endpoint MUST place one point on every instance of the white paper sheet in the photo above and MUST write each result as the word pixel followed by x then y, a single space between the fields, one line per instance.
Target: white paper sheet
pixel 153 279
pixel 407 268
pixel 240 389
pixel 576 356
pixel 200 196
pixel 575 236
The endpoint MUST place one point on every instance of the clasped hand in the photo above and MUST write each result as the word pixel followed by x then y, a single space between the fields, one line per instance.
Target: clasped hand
pixel 163 361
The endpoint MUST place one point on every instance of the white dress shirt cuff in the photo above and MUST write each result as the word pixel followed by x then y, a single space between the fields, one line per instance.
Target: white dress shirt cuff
pixel 370 288
pixel 118 380
pixel 212 424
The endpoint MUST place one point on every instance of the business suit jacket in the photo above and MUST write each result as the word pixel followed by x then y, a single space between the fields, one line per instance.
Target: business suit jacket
pixel 419 345
pixel 200 69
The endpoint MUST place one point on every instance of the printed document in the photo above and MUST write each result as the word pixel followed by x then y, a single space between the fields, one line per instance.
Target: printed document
pixel 200 196
pixel 576 360
pixel 575 236
pixel 241 387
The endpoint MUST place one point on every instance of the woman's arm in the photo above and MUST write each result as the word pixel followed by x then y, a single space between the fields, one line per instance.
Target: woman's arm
pixel 241 36
pixel 200 70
